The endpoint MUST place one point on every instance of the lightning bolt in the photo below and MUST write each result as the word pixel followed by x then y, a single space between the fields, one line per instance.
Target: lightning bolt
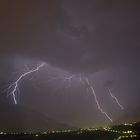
pixel 14 86
pixel 65 78
pixel 96 100
pixel 115 98
pixel 69 79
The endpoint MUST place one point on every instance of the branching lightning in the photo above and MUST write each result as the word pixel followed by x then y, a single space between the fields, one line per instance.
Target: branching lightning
pixel 96 100
pixel 115 98
pixel 66 79
pixel 14 86
pixel 69 78
pixel 83 80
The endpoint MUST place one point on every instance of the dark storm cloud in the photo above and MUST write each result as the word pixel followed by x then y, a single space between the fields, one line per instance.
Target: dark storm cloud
pixel 80 36
pixel 75 35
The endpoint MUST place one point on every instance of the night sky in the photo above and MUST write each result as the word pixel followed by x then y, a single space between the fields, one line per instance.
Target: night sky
pixel 99 39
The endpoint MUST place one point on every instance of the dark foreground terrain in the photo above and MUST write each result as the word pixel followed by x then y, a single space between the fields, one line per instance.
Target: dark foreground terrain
pixel 127 131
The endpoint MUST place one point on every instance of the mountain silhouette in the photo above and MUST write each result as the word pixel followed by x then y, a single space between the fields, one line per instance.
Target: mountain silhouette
pixel 17 118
